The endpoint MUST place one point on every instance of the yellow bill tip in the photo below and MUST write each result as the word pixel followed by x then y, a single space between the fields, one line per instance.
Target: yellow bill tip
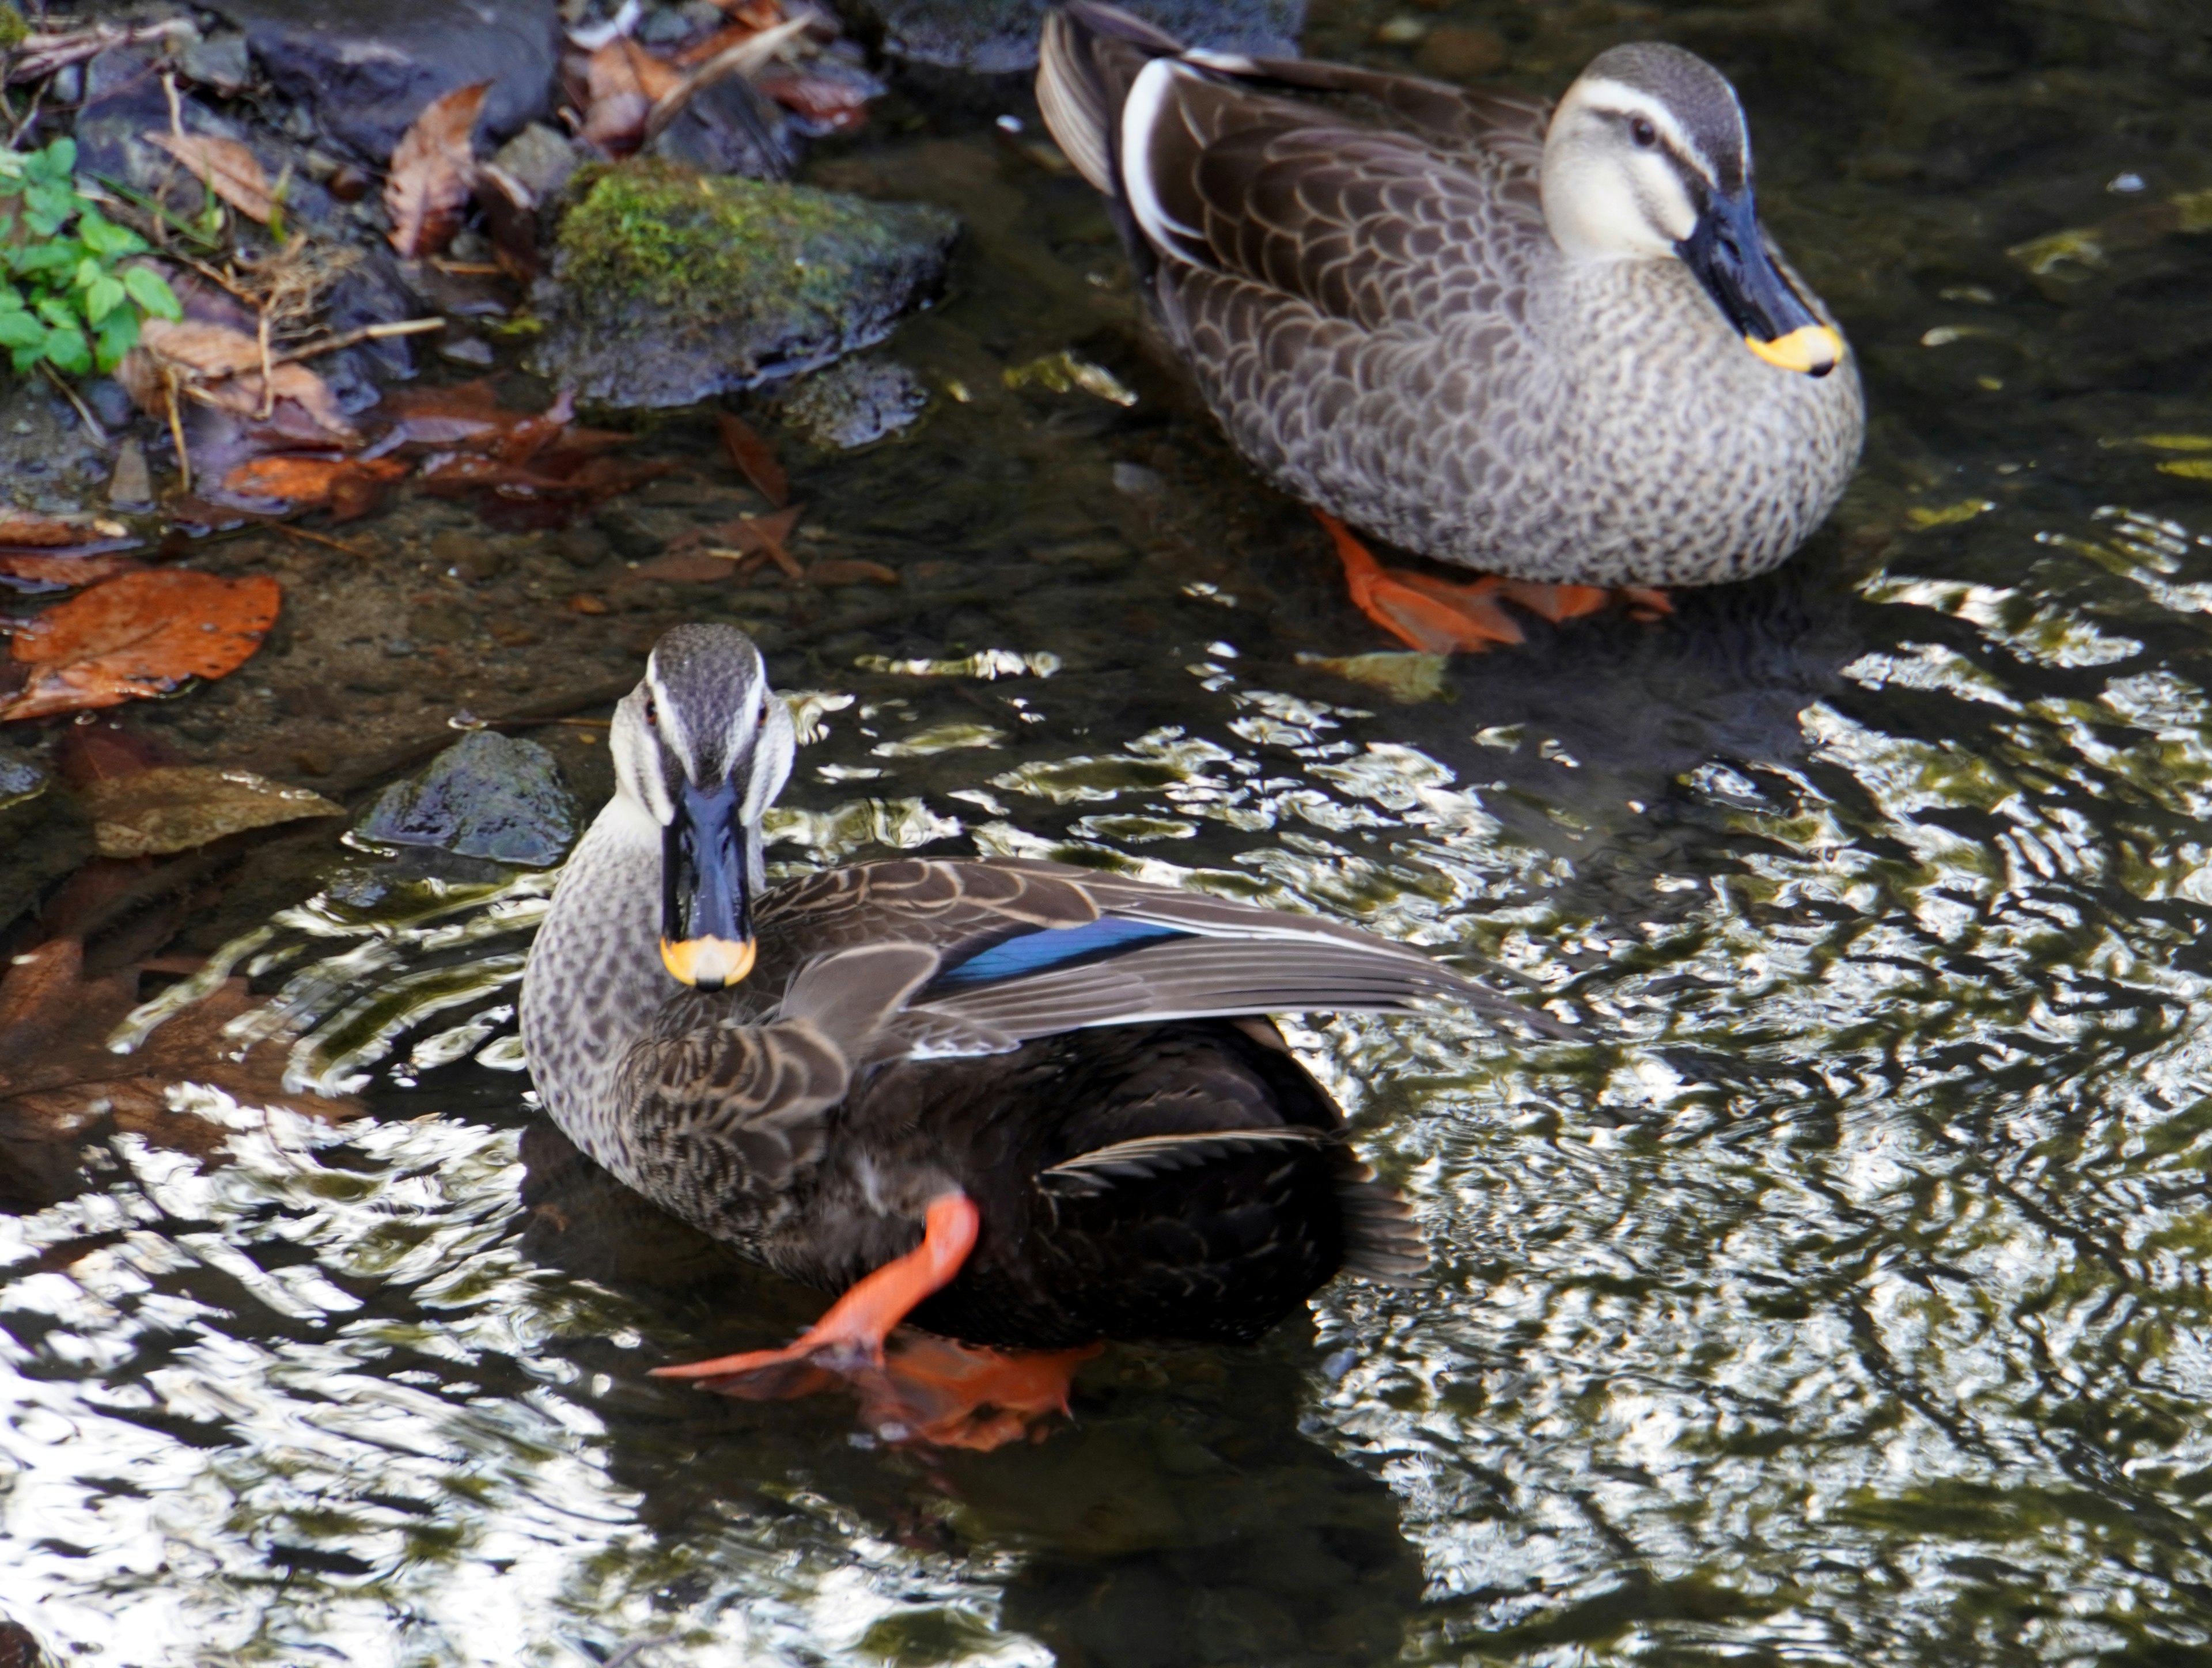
pixel 710 964
pixel 1812 350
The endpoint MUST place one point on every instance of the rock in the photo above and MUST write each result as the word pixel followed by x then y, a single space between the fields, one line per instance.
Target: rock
pixel 124 101
pixel 539 159
pixel 999 37
pixel 132 485
pixel 219 61
pixel 48 463
pixel 667 287
pixel 729 128
pixel 42 837
pixel 364 72
pixel 487 796
pixel 855 402
pixel 1451 52
pixel 21 779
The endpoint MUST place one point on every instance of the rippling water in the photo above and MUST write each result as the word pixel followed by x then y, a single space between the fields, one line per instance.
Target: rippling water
pixel 1844 1303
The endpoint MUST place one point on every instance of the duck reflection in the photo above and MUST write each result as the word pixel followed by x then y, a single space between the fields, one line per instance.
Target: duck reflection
pixel 1176 1516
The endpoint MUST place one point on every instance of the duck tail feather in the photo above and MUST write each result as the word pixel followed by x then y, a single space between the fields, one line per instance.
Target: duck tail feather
pixel 1380 1241
pixel 1088 1174
pixel 1089 56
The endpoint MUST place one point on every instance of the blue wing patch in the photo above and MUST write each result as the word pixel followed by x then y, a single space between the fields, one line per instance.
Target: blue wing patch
pixel 1049 948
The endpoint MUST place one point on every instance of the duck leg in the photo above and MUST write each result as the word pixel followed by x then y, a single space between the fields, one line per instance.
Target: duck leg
pixel 851 1335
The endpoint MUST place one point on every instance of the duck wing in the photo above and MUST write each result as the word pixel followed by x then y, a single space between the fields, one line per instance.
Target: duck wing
pixel 1367 196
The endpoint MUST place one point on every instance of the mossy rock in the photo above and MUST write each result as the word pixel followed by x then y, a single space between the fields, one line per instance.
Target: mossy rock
pixel 668 286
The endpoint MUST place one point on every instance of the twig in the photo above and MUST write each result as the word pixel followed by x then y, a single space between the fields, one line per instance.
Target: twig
pixel 268 370
pixel 365 333
pixel 91 423
pixel 173 382
pixel 290 531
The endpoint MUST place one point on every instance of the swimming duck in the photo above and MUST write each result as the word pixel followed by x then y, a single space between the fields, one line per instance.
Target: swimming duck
pixel 1029 1105
pixel 1554 344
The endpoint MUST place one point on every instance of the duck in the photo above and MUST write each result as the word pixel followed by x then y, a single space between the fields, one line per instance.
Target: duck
pixel 1551 343
pixel 1025 1105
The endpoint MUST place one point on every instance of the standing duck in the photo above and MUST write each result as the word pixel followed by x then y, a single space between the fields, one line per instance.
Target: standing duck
pixel 1028 1104
pixel 1553 344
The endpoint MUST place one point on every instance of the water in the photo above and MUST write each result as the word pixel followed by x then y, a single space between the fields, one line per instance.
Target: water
pixel 1844 1304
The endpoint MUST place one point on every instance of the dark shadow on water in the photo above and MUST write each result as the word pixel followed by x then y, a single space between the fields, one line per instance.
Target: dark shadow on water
pixel 1179 1519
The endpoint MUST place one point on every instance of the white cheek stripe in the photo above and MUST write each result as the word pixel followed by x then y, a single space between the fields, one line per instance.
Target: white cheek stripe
pixel 1149 98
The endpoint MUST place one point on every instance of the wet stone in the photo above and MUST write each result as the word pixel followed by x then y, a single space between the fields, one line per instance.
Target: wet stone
pixel 581 547
pixel 539 159
pixel 854 403
pixel 362 74
pixel 48 461
pixel 488 796
pixel 219 61
pixel 729 128
pixel 668 287
pixel 468 556
pixel 21 779
pixel 999 37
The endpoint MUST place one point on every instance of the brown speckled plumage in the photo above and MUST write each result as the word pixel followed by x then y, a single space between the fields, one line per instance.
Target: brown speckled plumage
pixel 1364 285
pixel 809 1115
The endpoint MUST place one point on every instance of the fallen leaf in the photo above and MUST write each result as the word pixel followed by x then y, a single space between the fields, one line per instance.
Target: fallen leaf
pixel 139 634
pixel 850 570
pixel 102 749
pixel 1404 676
pixel 226 168
pixel 349 485
pixel 583 602
pixel 432 171
pixel 175 808
pixel 59 1081
pixel 755 458
pixel 222 367
pixel 39 532
pixel 61 572
pixel 622 82
pixel 511 218
pixel 832 106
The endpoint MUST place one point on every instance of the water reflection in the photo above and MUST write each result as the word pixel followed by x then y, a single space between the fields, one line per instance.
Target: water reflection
pixel 1845 1304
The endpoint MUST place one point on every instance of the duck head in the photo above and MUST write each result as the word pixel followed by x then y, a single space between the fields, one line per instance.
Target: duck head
pixel 704 746
pixel 1648 159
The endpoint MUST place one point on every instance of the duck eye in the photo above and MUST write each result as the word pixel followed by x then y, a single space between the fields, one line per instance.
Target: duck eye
pixel 1641 130
pixel 652 712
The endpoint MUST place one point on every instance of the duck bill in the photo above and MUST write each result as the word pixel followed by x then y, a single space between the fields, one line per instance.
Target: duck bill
pixel 706 904
pixel 1760 302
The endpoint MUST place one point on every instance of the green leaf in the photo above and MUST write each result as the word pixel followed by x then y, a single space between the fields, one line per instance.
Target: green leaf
pixel 20 330
pixel 57 312
pixel 88 273
pixel 70 351
pixel 118 335
pixel 10 297
pixel 105 296
pixel 24 358
pixel 105 238
pixel 151 291
pixel 58 160
pixel 45 257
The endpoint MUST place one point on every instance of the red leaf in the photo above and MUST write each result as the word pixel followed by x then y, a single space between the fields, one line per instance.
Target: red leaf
pixel 432 171
pixel 39 532
pixel 140 635
pixel 755 458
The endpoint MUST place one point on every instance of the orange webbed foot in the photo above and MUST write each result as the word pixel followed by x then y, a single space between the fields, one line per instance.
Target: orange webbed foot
pixel 932 1391
pixel 850 1336
pixel 1433 615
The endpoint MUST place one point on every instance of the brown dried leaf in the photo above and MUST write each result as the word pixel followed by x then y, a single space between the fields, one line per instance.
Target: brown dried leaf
pixel 140 635
pixel 850 570
pixel 834 107
pixel 432 171
pixel 58 1078
pixel 755 458
pixel 614 119
pixel 154 812
pixel 223 367
pixel 39 532
pixel 226 168
pixel 48 572
pixel 310 479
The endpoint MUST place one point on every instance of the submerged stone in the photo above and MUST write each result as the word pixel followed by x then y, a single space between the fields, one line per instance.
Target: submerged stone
pixel 855 403
pixel 667 286
pixel 364 72
pixel 487 796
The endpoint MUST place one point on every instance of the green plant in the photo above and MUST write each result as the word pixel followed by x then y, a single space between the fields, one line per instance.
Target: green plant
pixel 66 297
